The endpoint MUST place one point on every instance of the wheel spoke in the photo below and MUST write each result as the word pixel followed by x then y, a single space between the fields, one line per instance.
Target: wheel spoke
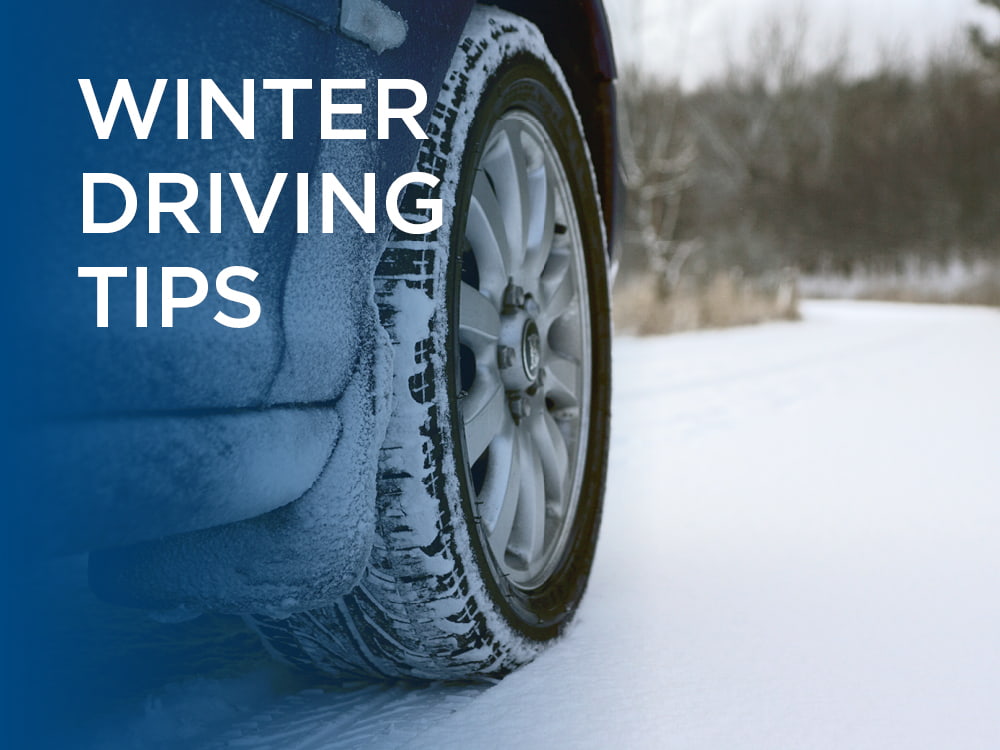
pixel 507 486
pixel 550 445
pixel 562 378
pixel 541 222
pixel 478 319
pixel 483 412
pixel 557 287
pixel 528 535
pixel 487 234
pixel 506 164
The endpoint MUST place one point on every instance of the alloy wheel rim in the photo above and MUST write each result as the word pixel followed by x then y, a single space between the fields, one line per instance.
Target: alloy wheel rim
pixel 524 351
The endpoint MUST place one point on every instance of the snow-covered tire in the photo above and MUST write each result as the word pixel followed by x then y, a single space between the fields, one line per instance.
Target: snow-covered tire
pixel 513 336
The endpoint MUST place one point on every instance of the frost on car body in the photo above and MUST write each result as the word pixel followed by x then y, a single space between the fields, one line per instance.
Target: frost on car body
pixel 236 471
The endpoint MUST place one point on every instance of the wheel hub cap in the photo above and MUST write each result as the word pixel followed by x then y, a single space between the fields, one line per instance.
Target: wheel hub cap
pixel 531 350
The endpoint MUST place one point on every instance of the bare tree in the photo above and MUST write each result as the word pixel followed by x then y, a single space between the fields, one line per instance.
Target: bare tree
pixel 659 165
pixel 659 157
pixel 783 163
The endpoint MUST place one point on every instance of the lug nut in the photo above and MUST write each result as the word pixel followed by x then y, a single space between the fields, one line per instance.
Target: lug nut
pixel 513 298
pixel 506 357
pixel 520 408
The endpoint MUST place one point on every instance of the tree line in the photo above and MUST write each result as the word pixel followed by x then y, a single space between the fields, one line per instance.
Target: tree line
pixel 781 164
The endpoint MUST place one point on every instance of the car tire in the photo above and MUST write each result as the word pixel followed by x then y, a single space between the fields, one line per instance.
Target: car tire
pixel 491 478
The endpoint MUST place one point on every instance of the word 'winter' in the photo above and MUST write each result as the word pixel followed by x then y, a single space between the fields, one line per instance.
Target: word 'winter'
pixel 242 119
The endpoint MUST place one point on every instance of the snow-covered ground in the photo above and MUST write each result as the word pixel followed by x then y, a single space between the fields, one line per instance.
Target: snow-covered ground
pixel 801 549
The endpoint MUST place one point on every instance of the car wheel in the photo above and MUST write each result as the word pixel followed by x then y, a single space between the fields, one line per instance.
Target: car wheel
pixel 491 478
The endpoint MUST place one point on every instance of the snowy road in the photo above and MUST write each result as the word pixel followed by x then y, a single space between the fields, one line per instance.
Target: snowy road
pixel 801 550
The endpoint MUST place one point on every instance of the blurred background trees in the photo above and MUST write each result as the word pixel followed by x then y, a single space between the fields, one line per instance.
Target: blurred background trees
pixel 782 168
pixel 988 49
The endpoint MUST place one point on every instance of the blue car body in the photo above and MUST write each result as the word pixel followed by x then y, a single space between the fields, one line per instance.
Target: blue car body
pixel 197 439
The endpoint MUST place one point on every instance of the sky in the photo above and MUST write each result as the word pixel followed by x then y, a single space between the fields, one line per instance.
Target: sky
pixel 691 40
